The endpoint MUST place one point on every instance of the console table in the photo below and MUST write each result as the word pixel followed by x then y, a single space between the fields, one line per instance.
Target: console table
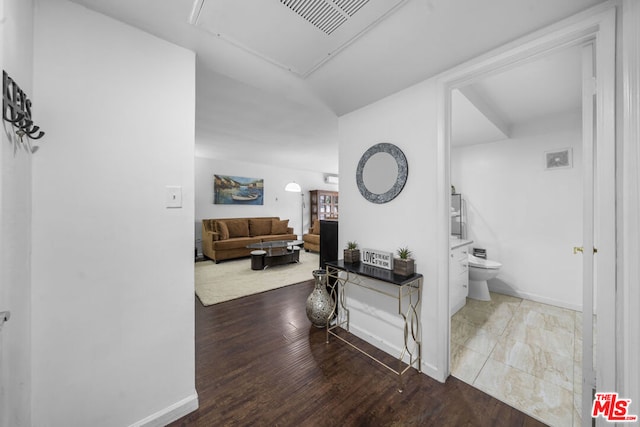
pixel 402 288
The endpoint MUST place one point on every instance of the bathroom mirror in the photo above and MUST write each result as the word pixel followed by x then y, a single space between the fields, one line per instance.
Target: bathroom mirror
pixel 382 173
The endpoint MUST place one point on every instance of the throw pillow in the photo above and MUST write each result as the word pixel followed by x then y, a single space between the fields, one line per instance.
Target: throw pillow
pixel 259 227
pixel 315 229
pixel 279 227
pixel 238 228
pixel 223 230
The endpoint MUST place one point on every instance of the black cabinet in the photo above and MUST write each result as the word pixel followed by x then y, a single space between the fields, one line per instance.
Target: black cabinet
pixel 328 241
pixel 329 253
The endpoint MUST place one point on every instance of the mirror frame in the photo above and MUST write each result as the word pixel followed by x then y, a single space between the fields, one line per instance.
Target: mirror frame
pixel 401 179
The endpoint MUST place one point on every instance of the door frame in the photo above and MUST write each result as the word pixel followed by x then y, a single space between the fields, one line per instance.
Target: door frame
pixel 629 211
pixel 597 24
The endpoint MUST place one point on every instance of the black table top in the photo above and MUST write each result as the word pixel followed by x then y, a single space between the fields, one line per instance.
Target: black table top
pixel 373 272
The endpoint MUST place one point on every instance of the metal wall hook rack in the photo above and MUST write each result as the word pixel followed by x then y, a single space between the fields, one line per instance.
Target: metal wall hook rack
pixel 16 109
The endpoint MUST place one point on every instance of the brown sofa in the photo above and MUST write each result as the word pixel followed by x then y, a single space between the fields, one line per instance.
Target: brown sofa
pixel 227 238
pixel 312 239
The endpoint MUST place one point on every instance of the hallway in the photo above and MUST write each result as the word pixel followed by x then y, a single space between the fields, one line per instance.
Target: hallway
pixel 260 362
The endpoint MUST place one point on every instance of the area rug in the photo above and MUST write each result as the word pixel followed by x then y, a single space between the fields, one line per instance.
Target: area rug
pixel 233 279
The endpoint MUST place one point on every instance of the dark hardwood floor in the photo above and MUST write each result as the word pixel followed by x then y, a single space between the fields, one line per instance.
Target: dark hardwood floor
pixel 259 362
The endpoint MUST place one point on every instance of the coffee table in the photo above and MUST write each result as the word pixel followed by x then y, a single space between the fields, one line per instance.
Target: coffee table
pixel 268 254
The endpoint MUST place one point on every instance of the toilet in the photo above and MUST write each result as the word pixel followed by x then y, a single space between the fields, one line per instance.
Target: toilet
pixel 481 270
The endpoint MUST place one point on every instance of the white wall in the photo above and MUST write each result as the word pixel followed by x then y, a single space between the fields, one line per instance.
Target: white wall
pixel 527 218
pixel 408 120
pixel 277 202
pixel 16 54
pixel 113 328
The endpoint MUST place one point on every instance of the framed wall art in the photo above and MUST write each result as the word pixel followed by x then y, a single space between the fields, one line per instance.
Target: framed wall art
pixel 237 190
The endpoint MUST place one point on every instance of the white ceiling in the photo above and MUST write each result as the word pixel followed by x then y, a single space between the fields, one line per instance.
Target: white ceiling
pixel 236 121
pixel 260 83
pixel 489 109
pixel 297 35
pixel 470 124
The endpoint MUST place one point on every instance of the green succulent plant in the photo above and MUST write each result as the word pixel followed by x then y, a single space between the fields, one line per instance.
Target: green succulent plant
pixel 352 245
pixel 404 253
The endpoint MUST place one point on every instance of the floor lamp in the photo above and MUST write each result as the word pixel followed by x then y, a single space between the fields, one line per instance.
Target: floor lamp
pixel 295 188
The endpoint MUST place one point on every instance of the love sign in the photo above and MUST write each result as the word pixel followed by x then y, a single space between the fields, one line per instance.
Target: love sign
pixel 378 258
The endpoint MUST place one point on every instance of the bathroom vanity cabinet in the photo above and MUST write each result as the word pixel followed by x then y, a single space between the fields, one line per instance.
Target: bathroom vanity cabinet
pixel 458 274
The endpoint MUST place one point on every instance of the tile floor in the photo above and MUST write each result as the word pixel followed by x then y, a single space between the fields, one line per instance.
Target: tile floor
pixel 524 353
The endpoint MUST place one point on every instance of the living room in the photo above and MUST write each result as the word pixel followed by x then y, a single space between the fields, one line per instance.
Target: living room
pixel 101 289
pixel 276 201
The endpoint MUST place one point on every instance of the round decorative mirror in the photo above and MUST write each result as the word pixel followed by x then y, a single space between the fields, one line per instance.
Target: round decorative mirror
pixel 382 173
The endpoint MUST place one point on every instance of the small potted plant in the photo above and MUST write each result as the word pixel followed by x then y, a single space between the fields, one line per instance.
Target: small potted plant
pixel 404 265
pixel 351 252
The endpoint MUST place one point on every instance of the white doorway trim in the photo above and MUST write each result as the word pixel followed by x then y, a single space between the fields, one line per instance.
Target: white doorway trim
pixel 629 242
pixel 596 24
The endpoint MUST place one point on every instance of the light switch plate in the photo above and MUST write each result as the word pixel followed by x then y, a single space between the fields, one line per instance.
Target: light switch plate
pixel 174 196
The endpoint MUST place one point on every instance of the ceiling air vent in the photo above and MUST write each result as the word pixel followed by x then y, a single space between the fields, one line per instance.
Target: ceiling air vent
pixel 326 15
pixel 350 7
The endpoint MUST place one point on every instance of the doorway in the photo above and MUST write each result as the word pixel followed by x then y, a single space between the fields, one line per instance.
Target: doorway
pixel 597 26
pixel 523 214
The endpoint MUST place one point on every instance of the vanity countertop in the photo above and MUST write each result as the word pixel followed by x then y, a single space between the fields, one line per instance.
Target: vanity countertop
pixel 456 243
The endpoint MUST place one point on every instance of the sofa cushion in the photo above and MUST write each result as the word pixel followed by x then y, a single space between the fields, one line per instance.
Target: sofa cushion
pixel 278 237
pixel 237 243
pixel 259 227
pixel 279 227
pixel 238 227
pixel 312 238
pixel 315 229
pixel 223 230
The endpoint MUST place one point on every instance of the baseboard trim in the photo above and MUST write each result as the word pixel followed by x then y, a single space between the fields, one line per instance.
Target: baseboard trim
pixel 376 341
pixel 427 368
pixel 385 345
pixel 533 297
pixel 432 371
pixel 170 413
